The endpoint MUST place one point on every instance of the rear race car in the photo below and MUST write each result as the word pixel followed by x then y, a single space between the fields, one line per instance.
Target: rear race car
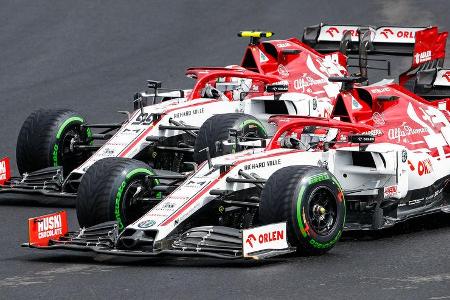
pixel 384 161
pixel 55 148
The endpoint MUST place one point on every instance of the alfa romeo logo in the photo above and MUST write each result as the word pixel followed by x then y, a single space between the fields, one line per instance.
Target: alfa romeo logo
pixel 146 224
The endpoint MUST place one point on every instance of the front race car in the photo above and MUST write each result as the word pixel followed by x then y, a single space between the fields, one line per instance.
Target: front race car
pixel 315 178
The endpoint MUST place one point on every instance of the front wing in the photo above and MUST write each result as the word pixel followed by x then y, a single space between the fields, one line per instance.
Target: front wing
pixel 207 241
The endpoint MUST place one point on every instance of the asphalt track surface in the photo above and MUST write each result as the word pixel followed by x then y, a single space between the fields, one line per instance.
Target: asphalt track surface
pixel 93 55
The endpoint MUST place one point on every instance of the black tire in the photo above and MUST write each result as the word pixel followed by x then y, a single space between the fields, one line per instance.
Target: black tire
pixel 292 194
pixel 217 127
pixel 44 141
pixel 103 194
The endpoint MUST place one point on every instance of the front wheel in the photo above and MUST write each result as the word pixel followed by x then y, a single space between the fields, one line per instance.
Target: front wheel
pixel 46 139
pixel 312 203
pixel 115 189
pixel 216 129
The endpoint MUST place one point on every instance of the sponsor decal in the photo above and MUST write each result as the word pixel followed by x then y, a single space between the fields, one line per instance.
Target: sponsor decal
pixel 335 33
pixel 332 31
pixel 5 172
pixel 128 131
pixel 374 132
pixel 314 104
pixel 262 57
pixel 146 224
pixel 390 191
pixel 318 178
pixel 106 152
pixel 195 184
pixel 356 104
pixel 415 202
pixel 411 165
pixel 404 131
pixel 268 237
pixel 322 164
pixel 446 75
pixel 404 155
pixel 283 45
pixel 378 118
pixel 305 83
pixel 143 119
pixel 424 167
pixel 283 71
pixel 262 164
pixel 382 90
pixel 188 113
pixel 387 32
pixel 166 206
pixel 42 229
pixel 401 33
pixel 422 57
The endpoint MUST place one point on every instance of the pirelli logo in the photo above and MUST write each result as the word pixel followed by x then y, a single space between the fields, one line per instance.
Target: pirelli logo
pixel 318 178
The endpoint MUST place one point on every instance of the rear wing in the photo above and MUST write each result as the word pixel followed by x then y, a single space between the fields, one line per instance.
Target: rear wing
pixel 426 45
pixel 389 40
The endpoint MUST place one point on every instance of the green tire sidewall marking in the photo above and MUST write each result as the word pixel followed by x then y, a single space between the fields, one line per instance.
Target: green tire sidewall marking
pixel 66 123
pixel 299 211
pixel 122 186
pixel 314 180
pixel 58 136
pixel 254 122
pixel 55 155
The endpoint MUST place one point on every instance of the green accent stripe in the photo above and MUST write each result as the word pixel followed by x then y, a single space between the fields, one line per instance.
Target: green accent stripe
pixel 67 122
pixel 122 187
pixel 255 122
pixel 299 211
pixel 313 242
pixel 139 170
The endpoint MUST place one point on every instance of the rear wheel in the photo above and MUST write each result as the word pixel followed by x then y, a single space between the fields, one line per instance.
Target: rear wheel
pixel 46 140
pixel 114 189
pixel 311 201
pixel 216 129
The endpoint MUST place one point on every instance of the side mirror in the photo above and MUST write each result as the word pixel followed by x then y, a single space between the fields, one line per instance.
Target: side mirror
pixel 277 88
pixel 362 138
pixel 387 98
pixel 153 84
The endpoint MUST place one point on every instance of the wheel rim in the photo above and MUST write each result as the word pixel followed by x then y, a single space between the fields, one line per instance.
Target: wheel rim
pixel 322 211
pixel 67 157
pixel 133 205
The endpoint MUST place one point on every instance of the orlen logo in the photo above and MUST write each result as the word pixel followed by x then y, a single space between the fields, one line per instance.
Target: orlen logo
pixel 424 167
pixel 49 226
pixel 405 34
pixel 250 239
pixel 332 30
pixel 387 32
pixel 446 75
pixel 265 237
pixel 422 57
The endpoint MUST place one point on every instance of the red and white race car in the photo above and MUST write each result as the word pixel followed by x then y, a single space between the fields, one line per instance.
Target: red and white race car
pixel 382 157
